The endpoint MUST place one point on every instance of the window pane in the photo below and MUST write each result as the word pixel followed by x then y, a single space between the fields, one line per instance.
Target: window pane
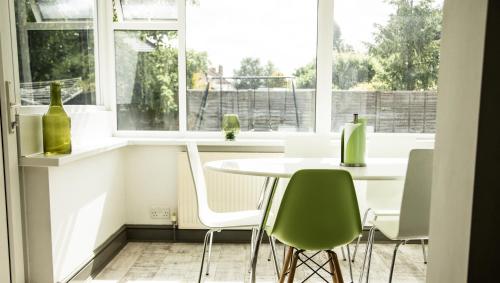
pixel 50 50
pixel 386 60
pixel 254 58
pixel 149 9
pixel 65 9
pixel 147 80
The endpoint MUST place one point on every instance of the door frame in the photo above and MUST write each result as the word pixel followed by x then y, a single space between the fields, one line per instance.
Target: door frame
pixel 5 268
pixel 9 144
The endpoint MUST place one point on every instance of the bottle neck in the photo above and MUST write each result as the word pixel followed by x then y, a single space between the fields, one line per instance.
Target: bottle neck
pixel 55 96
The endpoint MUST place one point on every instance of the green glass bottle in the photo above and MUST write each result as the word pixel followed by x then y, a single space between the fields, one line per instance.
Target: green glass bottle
pixel 56 125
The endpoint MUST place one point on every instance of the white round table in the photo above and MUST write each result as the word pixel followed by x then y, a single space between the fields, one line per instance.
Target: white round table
pixel 275 168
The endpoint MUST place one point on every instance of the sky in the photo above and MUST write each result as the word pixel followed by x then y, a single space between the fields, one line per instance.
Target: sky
pixel 283 31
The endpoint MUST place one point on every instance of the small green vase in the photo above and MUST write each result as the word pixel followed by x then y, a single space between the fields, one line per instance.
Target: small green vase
pixel 230 126
pixel 56 125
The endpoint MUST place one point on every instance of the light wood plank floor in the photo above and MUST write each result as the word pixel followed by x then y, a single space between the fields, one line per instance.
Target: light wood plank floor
pixel 180 262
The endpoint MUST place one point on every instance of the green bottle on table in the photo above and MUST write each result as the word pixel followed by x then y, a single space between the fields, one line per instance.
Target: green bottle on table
pixel 56 125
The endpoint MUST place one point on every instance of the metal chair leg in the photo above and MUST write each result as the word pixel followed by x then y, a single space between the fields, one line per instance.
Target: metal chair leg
pixel 272 242
pixel 205 241
pixel 372 242
pixel 343 253
pixel 209 253
pixel 367 251
pixel 423 251
pixel 393 260
pixel 270 255
pixel 365 216
pixel 350 263
pixel 252 246
pixel 365 257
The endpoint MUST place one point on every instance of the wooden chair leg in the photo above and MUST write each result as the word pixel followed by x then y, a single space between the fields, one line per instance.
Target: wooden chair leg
pixel 286 264
pixel 338 271
pixel 332 266
pixel 293 266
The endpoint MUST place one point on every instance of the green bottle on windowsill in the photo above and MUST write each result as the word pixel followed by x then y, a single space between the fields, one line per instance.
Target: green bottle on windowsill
pixel 56 125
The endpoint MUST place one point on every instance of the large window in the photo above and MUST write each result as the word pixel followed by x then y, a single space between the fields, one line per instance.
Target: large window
pixel 245 57
pixel 56 42
pixel 181 65
pixel 385 63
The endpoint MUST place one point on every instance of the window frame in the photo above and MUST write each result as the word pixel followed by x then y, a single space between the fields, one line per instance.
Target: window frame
pixel 178 25
pixel 323 59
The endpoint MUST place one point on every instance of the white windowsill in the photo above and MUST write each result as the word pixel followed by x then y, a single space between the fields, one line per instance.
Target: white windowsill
pixel 109 144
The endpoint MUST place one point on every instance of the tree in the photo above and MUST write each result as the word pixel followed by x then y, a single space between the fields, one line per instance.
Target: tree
pixel 306 76
pixel 251 67
pixel 351 69
pixel 196 69
pixel 338 42
pixel 407 47
pixel 155 92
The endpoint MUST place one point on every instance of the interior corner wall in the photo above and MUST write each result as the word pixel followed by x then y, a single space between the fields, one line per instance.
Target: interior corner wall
pixel 459 92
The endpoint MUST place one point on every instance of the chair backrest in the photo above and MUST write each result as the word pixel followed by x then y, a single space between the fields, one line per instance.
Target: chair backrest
pixel 309 146
pixel 415 205
pixel 199 181
pixel 319 210
pixel 316 146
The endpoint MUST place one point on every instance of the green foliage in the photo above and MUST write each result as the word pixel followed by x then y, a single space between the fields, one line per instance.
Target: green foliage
pixel 251 67
pixel 351 69
pixel 196 67
pixel 60 54
pixel 404 56
pixel 407 47
pixel 156 83
pixel 306 76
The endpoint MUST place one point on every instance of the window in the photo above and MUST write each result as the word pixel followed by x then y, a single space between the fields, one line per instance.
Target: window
pixel 385 63
pixel 181 65
pixel 146 65
pixel 56 42
pixel 246 57
pixel 134 10
pixel 146 80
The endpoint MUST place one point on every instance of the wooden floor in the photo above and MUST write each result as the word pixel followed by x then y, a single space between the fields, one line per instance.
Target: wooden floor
pixel 180 262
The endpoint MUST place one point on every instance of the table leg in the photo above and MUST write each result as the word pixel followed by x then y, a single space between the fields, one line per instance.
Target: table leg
pixel 261 229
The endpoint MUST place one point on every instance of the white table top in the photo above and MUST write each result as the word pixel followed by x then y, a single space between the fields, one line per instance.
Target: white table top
pixel 376 169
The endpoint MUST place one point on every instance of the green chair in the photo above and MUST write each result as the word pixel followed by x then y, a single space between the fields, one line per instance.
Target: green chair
pixel 319 212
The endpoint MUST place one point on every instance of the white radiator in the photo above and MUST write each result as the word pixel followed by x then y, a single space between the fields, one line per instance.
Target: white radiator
pixel 226 192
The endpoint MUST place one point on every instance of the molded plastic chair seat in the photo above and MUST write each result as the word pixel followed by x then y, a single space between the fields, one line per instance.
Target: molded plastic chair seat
pixel 246 218
pixel 385 212
pixel 390 228
pixel 413 221
pixel 319 212
pixel 215 221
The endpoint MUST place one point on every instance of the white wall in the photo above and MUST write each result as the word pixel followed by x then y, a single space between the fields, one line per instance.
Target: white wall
pixel 72 210
pixel 151 177
pixel 457 121
pixel 150 180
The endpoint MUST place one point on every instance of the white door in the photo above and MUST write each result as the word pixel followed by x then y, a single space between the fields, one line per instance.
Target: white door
pixel 4 233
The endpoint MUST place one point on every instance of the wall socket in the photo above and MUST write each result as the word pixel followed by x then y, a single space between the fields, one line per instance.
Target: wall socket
pixel 160 212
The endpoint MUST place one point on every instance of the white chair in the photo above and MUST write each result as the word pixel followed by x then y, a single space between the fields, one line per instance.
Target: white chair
pixel 413 221
pixel 385 201
pixel 215 221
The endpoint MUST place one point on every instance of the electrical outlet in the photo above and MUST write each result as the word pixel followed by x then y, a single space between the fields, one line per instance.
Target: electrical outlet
pixel 160 212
